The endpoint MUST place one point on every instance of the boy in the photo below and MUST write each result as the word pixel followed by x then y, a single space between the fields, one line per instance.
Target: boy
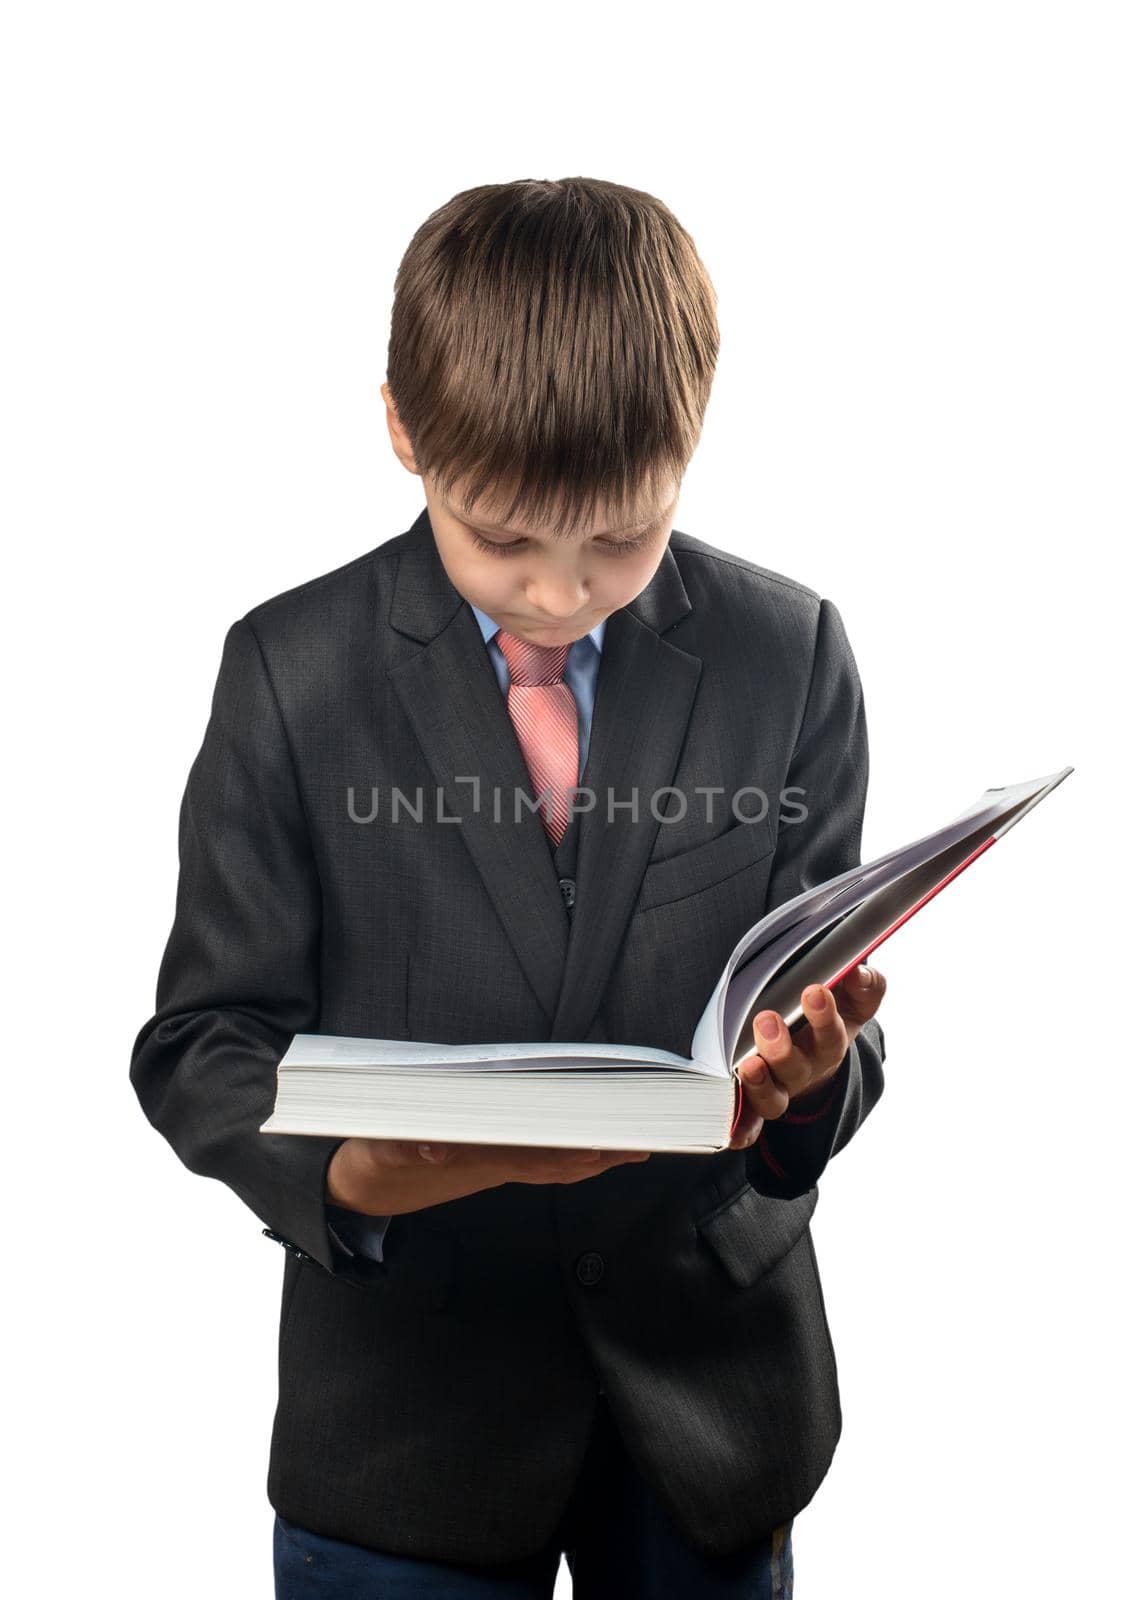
pixel 491 1355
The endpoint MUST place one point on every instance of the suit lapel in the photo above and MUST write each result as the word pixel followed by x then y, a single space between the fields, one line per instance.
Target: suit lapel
pixel 642 706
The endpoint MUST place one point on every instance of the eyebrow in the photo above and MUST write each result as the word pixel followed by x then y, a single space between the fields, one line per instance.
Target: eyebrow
pixel 493 527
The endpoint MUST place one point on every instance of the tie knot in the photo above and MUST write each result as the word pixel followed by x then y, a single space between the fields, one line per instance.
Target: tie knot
pixel 534 665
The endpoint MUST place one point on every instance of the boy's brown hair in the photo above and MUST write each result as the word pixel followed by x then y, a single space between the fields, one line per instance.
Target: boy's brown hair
pixel 552 348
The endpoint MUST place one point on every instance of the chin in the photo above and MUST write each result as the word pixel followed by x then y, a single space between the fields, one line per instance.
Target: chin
pixel 540 628
pixel 557 636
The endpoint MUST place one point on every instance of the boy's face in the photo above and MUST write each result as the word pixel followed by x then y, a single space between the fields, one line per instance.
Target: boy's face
pixel 537 586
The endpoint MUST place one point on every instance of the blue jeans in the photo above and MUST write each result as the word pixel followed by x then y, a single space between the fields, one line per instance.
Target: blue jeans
pixel 620 1544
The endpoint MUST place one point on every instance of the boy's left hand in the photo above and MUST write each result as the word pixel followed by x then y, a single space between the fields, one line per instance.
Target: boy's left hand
pixel 785 1068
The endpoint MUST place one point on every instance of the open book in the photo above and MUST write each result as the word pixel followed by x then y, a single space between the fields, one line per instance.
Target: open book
pixel 627 1097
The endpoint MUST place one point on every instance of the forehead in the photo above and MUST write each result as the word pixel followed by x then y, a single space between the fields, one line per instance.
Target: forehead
pixel 491 512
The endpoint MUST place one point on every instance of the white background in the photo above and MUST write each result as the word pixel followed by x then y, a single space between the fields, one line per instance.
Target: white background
pixel 925 224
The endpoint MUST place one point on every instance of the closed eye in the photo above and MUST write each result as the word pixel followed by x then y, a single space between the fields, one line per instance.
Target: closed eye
pixel 613 547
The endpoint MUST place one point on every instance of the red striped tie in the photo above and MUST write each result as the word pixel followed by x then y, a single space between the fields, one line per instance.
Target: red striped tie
pixel 545 718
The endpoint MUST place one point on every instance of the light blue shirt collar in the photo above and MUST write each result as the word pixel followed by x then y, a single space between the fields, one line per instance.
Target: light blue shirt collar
pixel 490 627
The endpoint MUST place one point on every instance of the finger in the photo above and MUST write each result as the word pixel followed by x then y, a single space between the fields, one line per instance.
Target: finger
pixel 528 1162
pixel 406 1152
pixel 435 1153
pixel 589 1156
pixel 828 1034
pixel 787 1061
pixel 545 1162
pixel 764 1095
pixel 571 1166
pixel 860 993
pixel 604 1158
pixel 488 1154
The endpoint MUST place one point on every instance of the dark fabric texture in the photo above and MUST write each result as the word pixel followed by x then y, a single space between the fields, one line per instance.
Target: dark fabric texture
pixel 438 1404
pixel 619 1540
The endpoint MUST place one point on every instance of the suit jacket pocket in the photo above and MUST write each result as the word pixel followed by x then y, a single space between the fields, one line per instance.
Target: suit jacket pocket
pixel 706 865
pixel 751 1232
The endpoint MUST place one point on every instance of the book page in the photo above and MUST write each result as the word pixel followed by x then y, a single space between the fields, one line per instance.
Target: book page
pixel 334 1050
pixel 722 1030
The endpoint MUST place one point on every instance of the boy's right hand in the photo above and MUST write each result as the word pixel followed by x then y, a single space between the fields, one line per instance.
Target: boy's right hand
pixel 386 1177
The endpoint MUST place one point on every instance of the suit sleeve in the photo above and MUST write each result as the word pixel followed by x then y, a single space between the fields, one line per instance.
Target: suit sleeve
pixel 239 974
pixel 825 799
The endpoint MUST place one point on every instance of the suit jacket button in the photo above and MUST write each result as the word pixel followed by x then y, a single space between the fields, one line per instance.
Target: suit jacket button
pixel 567 887
pixel 287 1245
pixel 590 1268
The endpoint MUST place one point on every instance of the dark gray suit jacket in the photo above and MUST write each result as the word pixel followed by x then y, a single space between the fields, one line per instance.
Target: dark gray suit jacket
pixel 438 1404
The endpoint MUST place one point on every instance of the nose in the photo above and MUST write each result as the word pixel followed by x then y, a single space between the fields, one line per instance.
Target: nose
pixel 556 599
